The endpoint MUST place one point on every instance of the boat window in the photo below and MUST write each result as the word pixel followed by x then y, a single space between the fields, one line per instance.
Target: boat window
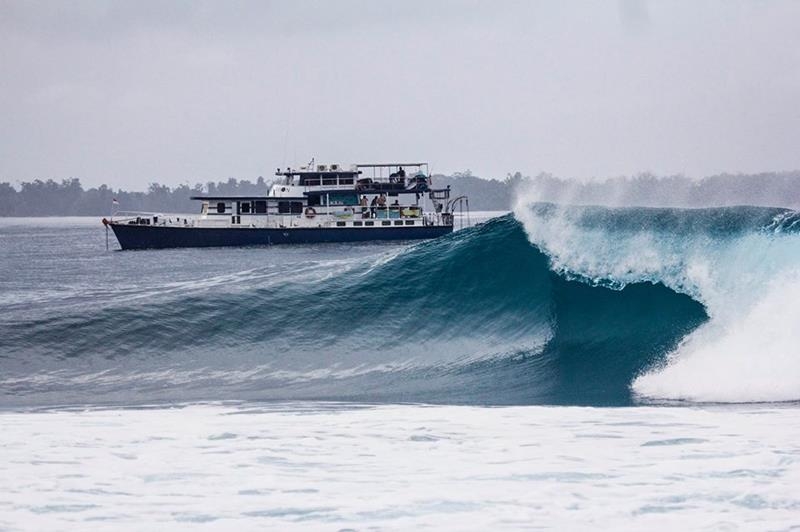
pixel 398 222
pixel 369 223
pixel 245 207
pixel 261 207
pixel 409 222
pixel 290 207
pixel 344 199
pixel 340 224
pixel 221 207
pixel 358 224
pixel 386 222
pixel 310 180
pixel 313 201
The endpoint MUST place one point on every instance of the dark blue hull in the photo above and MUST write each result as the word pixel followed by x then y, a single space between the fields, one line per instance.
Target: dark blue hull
pixel 159 237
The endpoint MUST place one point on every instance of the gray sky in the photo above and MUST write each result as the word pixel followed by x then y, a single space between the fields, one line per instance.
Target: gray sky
pixel 128 93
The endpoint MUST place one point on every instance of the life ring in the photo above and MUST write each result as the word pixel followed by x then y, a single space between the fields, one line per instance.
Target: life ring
pixel 310 212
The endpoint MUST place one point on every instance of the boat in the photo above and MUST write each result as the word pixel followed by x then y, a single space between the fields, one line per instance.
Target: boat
pixel 310 204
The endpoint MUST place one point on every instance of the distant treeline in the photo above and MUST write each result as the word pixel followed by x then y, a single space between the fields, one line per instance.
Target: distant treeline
pixel 69 198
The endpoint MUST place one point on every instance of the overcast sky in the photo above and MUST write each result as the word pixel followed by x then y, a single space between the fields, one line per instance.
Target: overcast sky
pixel 133 92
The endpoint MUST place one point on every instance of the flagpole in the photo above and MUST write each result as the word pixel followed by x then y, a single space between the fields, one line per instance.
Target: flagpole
pixel 111 216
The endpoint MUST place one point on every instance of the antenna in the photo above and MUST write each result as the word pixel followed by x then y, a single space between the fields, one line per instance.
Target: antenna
pixel 285 142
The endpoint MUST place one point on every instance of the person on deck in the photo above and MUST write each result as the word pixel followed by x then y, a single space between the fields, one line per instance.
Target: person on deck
pixel 382 203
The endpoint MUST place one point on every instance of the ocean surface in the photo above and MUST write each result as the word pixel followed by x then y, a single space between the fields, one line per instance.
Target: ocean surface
pixel 554 367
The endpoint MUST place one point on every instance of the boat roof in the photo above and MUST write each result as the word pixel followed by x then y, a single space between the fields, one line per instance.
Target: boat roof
pixel 384 165
pixel 318 169
pixel 338 169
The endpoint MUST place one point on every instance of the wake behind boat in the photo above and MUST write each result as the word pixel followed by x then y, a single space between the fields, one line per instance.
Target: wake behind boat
pixel 312 204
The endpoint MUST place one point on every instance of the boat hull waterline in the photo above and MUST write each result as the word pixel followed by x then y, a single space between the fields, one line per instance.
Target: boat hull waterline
pixel 161 237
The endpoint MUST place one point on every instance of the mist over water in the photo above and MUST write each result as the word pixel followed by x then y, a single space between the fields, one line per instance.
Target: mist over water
pixel 766 189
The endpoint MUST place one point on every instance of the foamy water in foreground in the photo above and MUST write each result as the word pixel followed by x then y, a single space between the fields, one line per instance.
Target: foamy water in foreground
pixel 326 466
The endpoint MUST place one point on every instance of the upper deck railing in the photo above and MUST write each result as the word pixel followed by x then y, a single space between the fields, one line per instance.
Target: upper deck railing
pixel 394 177
pixel 385 171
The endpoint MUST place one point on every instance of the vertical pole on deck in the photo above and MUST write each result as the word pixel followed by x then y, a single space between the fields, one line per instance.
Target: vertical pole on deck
pixel 111 217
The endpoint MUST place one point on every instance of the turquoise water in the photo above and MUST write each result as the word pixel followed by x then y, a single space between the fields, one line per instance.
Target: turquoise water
pixel 570 306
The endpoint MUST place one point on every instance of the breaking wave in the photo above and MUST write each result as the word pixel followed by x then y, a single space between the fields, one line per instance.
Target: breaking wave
pixel 550 305
pixel 740 263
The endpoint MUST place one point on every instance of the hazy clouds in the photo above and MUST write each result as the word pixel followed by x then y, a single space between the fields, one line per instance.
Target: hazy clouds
pixel 132 92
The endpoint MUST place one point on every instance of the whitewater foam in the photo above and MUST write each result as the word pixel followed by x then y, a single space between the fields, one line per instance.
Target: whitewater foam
pixel 750 357
pixel 301 466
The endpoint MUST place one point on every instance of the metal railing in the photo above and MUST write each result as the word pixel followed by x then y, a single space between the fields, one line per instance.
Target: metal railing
pixel 461 202
pixel 324 214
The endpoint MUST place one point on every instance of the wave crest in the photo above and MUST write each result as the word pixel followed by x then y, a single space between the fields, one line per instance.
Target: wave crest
pixel 741 263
